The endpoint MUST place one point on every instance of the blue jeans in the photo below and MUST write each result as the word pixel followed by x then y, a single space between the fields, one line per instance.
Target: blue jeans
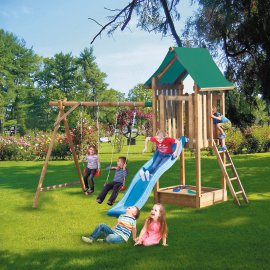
pixel 160 159
pixel 110 236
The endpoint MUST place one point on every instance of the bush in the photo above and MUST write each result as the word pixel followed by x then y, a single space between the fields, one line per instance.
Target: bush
pixel 235 140
pixel 8 148
pixel 257 139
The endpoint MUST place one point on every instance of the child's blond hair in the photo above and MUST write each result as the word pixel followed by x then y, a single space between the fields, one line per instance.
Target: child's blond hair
pixel 161 132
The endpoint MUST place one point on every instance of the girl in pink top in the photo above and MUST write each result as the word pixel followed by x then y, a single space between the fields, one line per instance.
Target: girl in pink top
pixel 155 228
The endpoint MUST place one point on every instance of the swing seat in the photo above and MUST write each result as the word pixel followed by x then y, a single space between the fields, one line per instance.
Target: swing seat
pixel 123 188
pixel 97 174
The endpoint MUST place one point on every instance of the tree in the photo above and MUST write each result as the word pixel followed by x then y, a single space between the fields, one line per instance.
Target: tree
pixel 139 93
pixel 240 30
pixel 17 67
pixel 153 16
pixel 92 79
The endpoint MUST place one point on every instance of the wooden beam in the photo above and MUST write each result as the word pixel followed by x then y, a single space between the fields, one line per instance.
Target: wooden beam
pixel 177 98
pixel 166 68
pixel 169 113
pixel 218 88
pixel 67 113
pixel 100 104
pixel 59 186
pixel 154 105
pixel 44 169
pixel 209 119
pixel 190 127
pixel 162 113
pixel 223 157
pixel 180 79
pixel 204 120
pixel 197 127
pixel 73 149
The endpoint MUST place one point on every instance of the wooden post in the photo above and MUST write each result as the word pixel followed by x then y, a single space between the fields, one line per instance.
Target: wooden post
pixel 209 119
pixel 197 116
pixel 162 113
pixel 44 169
pixel 204 120
pixel 156 194
pixel 181 133
pixel 180 109
pixel 169 112
pixel 154 105
pixel 72 149
pixel 154 121
pixel 174 116
pixel 223 157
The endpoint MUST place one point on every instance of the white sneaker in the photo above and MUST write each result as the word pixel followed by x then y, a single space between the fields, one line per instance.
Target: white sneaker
pixel 142 174
pixel 87 240
pixel 147 175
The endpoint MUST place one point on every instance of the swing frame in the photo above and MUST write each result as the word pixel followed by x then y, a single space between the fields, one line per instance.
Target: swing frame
pixel 62 117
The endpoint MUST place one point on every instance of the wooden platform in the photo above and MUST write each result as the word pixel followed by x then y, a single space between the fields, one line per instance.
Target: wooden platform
pixel 187 196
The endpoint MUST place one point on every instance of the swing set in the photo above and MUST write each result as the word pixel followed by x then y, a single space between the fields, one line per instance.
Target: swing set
pixel 62 117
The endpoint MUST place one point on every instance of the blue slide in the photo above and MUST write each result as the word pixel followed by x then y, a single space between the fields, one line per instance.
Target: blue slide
pixel 138 190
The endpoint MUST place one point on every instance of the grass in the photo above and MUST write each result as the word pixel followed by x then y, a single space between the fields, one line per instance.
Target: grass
pixel 223 236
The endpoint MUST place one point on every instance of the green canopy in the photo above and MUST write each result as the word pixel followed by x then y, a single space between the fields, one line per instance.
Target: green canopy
pixel 197 62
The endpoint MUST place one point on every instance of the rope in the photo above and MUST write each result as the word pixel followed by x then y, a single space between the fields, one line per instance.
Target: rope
pixel 81 132
pixel 98 130
pixel 132 126
pixel 116 118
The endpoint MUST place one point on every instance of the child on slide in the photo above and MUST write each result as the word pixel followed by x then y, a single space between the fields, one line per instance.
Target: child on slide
pixel 164 146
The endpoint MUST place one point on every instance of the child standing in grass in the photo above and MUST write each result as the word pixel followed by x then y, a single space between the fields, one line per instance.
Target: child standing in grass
pixel 119 233
pixel 221 123
pixel 91 169
pixel 154 229
pixel 164 146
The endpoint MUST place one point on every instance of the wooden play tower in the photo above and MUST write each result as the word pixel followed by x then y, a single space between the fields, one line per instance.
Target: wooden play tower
pixel 189 115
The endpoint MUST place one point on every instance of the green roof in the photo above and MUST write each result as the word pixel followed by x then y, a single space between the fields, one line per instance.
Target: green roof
pixel 198 63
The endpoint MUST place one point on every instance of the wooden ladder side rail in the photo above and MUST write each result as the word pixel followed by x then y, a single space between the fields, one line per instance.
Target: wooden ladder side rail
pixel 225 173
pixel 237 178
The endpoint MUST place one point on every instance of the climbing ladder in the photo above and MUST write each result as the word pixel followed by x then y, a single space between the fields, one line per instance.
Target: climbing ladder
pixel 223 165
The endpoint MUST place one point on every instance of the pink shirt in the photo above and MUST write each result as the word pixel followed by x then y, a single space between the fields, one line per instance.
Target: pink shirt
pixel 165 147
pixel 152 236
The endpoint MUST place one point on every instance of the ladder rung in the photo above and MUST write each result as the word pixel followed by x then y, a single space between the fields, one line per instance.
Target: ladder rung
pixel 228 164
pixel 239 192
pixel 234 178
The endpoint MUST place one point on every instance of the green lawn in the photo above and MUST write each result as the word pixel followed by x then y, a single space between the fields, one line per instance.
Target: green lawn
pixel 223 236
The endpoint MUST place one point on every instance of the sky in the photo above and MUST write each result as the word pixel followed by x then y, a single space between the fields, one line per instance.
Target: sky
pixel 53 26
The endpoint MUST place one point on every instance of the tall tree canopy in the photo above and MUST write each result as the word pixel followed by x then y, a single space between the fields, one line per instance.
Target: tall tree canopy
pixel 241 31
pixel 18 65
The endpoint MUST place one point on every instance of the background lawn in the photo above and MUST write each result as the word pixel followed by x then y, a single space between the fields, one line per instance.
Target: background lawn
pixel 223 236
